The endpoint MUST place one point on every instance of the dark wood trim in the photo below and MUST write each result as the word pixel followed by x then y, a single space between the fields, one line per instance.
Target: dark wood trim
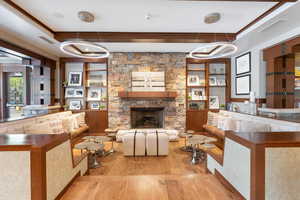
pixel 155 37
pixel 228 185
pixel 89 60
pixel 27 14
pixel 279 4
pixel 258 100
pixel 257 171
pixel 26 52
pixel 38 174
pixel 60 195
pixel 239 99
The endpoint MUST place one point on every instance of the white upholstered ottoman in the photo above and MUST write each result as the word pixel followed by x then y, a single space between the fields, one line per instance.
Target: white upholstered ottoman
pixel 157 144
pixel 134 144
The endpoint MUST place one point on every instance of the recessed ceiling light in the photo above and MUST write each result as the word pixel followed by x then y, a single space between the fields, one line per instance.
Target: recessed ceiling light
pixel 212 18
pixel 86 16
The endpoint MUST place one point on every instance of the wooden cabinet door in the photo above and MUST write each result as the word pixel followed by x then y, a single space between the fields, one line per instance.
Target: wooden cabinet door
pixel 97 121
pixel 196 119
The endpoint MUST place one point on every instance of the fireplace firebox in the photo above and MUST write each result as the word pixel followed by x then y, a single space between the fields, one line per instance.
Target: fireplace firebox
pixel 147 117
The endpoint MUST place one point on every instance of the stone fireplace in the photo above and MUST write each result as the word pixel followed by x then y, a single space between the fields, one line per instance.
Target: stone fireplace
pixel 119 79
pixel 147 117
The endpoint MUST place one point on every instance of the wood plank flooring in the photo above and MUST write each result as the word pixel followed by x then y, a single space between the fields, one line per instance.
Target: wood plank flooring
pixel 148 178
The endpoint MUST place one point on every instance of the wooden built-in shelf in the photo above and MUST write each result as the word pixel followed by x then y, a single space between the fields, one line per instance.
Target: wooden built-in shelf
pixel 125 94
pixel 196 100
pixel 217 86
pixel 197 86
pixel 217 74
pixel 197 70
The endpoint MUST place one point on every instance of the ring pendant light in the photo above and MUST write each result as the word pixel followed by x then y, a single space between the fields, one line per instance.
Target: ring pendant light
pixel 218 50
pixel 69 47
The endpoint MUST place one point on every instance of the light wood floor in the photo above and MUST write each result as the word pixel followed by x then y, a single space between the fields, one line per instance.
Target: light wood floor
pixel 148 178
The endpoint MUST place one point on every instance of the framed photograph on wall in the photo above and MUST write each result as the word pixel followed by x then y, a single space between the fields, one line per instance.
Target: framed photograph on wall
pixel 243 64
pixel 243 85
pixel 70 92
pixel 198 93
pixel 95 106
pixel 79 92
pixel 75 79
pixel 193 80
pixel 75 105
pixel 212 80
pixel 214 102
pixel 94 94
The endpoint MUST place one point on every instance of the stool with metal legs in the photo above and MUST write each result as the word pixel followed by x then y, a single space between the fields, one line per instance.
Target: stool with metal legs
pixel 92 149
pixel 186 148
pixel 112 136
pixel 197 154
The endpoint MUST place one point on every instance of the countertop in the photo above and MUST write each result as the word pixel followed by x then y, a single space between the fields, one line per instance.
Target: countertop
pixel 265 138
pixel 30 141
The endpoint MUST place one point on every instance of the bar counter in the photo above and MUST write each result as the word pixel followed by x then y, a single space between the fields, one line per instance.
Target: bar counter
pixel 260 165
pixel 37 167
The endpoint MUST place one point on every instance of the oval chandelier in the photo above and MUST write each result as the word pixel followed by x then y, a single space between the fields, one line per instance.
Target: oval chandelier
pixel 84 49
pixel 213 50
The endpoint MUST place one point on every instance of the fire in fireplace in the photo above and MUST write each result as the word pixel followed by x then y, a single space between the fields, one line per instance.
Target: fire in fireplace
pixel 147 117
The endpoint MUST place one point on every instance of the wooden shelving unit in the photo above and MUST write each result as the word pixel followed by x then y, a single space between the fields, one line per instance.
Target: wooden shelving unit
pixel 197 108
pixel 95 70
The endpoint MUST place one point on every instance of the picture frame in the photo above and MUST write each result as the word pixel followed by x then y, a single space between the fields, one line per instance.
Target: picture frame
pixel 243 85
pixel 198 93
pixel 214 102
pixel 79 93
pixel 212 81
pixel 243 64
pixel 94 94
pixel 193 80
pixel 75 79
pixel 95 106
pixel 221 82
pixel 75 105
pixel 70 92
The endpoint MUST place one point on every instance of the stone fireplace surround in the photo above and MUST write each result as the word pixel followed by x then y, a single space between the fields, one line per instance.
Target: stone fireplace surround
pixel 119 79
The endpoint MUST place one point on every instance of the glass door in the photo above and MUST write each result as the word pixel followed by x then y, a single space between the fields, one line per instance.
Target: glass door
pixel 14 94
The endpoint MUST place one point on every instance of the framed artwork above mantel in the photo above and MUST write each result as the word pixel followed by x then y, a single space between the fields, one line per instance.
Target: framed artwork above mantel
pixel 243 64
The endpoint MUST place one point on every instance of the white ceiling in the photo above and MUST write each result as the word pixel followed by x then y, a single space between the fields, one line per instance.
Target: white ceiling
pixel 273 31
pixel 129 15
pixel 172 17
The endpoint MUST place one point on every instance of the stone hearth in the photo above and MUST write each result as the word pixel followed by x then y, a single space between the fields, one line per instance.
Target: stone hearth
pixel 120 67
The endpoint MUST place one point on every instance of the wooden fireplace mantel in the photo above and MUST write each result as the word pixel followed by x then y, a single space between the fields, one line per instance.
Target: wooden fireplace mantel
pixel 145 95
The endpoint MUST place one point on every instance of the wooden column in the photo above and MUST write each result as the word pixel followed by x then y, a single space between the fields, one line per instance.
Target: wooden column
pixel 280 73
pixel 280 82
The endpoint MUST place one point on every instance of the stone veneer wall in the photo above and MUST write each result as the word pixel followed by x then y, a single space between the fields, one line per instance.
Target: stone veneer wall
pixel 120 67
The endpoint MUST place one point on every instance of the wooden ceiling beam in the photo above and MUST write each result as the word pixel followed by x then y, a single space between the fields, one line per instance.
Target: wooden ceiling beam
pixel 145 37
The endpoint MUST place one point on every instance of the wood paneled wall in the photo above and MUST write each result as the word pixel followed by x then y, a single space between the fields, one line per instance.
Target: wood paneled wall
pixel 281 74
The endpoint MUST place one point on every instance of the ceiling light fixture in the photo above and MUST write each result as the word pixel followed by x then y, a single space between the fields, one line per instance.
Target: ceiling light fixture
pixel 213 50
pixel 212 18
pixel 71 48
pixel 86 16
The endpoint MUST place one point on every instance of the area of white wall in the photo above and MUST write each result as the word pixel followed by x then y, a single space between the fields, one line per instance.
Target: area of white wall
pixel 258 74
pixel 258 66
pixel 258 78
